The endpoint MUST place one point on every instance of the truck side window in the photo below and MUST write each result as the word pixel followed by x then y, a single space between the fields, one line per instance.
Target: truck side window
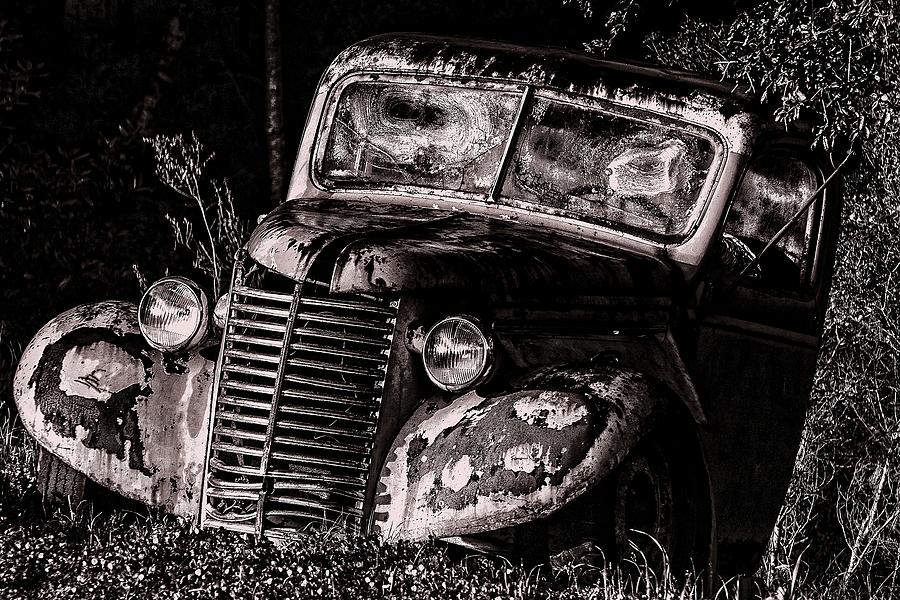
pixel 773 188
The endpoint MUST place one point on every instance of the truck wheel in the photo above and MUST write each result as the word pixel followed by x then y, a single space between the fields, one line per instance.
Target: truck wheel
pixel 57 482
pixel 661 515
pixel 652 512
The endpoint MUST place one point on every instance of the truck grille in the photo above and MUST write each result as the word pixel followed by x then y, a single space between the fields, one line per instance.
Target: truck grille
pixel 300 386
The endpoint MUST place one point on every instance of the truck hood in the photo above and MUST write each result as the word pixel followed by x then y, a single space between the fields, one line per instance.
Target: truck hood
pixel 378 247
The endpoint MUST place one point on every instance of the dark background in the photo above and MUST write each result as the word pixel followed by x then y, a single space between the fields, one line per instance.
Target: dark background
pixel 100 56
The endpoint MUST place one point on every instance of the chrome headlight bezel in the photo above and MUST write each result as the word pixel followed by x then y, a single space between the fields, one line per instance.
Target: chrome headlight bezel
pixel 486 364
pixel 200 328
pixel 220 310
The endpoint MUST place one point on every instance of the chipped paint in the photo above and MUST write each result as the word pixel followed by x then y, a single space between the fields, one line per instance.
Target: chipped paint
pixel 549 409
pixel 111 371
pixel 514 457
pixel 663 91
pixel 642 92
pixel 529 456
pixel 91 391
pixel 458 474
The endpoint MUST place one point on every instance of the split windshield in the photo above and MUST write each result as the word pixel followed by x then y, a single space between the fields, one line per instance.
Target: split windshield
pixel 567 160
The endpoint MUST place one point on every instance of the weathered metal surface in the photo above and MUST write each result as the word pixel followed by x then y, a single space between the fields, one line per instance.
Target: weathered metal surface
pixel 755 389
pixel 640 93
pixel 91 391
pixel 380 248
pixel 665 91
pixel 483 463
pixel 297 403
pixel 290 238
pixel 649 350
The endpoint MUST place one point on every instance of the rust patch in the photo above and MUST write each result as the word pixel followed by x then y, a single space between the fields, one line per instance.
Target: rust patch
pixel 105 412
pixel 175 365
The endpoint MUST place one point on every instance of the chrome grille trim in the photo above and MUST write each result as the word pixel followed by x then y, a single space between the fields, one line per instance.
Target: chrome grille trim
pixel 297 401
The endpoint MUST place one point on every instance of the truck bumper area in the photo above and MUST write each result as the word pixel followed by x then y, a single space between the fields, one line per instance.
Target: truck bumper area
pixel 483 463
pixel 93 393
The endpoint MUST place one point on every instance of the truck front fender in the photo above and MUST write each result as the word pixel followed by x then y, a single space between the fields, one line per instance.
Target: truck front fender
pixel 96 396
pixel 482 463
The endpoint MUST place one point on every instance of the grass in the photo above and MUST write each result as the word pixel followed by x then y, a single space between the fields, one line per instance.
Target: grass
pixel 97 551
pixel 88 551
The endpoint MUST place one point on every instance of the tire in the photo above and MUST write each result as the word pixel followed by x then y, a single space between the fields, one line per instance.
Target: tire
pixel 57 482
pixel 652 513
pixel 662 518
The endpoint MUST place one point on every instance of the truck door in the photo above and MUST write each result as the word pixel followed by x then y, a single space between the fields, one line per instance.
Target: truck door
pixel 757 345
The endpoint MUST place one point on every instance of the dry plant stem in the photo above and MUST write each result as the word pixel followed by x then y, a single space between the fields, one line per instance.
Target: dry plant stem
pixel 181 167
pixel 195 196
pixel 212 243
pixel 868 533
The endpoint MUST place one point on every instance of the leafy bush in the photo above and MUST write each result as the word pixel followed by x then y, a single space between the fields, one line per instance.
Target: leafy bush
pixel 834 64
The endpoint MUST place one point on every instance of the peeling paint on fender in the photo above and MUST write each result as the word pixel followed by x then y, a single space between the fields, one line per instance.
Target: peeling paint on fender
pixel 483 463
pixel 92 392
pixel 90 379
pixel 83 373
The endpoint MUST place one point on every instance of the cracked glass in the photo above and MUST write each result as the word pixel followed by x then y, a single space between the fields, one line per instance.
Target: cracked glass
pixel 590 165
pixel 442 137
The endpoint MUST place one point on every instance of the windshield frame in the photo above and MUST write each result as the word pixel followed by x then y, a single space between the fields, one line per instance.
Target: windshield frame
pixel 492 199
pixel 327 124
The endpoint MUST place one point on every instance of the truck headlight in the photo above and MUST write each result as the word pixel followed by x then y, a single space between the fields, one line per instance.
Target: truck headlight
pixel 173 314
pixel 457 353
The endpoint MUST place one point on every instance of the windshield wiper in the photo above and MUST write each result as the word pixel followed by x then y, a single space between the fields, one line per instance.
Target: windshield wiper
pixel 787 226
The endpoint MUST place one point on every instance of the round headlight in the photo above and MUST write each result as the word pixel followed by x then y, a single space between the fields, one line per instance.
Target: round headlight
pixel 457 353
pixel 172 315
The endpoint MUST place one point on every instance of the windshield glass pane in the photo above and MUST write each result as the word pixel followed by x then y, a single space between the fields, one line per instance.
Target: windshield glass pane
pixel 442 137
pixel 593 166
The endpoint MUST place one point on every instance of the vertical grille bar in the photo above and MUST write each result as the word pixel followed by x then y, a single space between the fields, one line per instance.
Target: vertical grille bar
pixel 276 395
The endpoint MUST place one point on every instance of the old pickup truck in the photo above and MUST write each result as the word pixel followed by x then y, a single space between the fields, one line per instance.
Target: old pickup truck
pixel 521 299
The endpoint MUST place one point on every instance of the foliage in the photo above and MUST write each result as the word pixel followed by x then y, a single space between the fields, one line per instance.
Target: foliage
pixel 67 221
pixel 16 76
pixel 835 65
pixel 616 21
